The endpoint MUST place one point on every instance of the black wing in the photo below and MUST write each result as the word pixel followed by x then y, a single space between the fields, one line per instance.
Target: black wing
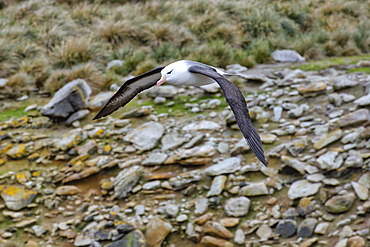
pixel 238 105
pixel 129 90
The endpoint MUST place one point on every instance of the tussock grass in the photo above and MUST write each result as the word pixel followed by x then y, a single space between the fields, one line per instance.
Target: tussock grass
pixel 88 71
pixel 75 50
pixel 49 43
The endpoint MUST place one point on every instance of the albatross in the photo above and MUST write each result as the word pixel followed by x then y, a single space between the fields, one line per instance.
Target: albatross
pixel 190 73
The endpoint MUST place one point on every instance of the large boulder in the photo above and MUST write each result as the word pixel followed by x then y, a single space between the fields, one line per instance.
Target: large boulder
pixel 69 99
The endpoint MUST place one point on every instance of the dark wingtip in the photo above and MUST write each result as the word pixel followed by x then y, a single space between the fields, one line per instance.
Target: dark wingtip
pixel 256 146
pixel 264 162
pixel 99 115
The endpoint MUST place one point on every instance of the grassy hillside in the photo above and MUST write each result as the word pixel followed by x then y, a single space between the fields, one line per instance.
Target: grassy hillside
pixel 45 44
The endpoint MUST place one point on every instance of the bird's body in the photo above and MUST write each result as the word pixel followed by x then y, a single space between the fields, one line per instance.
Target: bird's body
pixel 182 77
pixel 190 73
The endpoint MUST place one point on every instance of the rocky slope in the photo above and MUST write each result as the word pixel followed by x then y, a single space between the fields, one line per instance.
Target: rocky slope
pixel 179 172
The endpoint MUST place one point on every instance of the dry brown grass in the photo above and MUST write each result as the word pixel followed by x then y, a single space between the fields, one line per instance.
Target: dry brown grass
pixel 58 40
pixel 75 50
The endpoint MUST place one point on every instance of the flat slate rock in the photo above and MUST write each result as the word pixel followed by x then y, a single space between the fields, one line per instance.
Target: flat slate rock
pixel 146 136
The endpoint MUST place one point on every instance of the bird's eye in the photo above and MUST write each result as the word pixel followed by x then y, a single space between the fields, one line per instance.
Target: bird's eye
pixel 169 72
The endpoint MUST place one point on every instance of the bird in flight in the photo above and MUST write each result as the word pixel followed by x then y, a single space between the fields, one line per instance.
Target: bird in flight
pixel 190 73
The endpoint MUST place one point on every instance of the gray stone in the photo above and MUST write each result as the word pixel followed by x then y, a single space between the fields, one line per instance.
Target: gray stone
pixel 236 69
pixel 237 206
pixel 303 188
pixel 39 230
pixel 344 82
pixel 84 239
pixel 70 139
pixel 99 100
pixel 331 160
pixel 126 180
pixel 124 227
pixel 278 111
pixel 152 185
pixel 268 138
pixel 241 147
pixel 355 118
pixel 290 214
pixel 201 206
pixel 296 147
pixel 172 141
pixel 172 209
pixel 254 189
pixel 259 78
pixel 353 136
pixel 347 97
pixel 196 139
pixel 306 227
pixel 226 166
pixel 89 146
pixel 363 101
pixel 202 125
pixel 286 228
pixel 297 165
pixel 3 82
pixel 321 228
pixel 239 236
pixel 365 180
pixel 217 186
pixel 211 88
pixel 146 136
pixel 331 181
pixel 182 218
pixel 340 203
pixel 354 161
pixel 335 99
pixel 335 113
pixel 314 178
pixel 70 98
pixel 327 139
pixel 361 191
pixel 155 159
pixel 223 147
pixel 213 103
pixel 264 231
pixel 299 111
pixel 341 243
pixel 159 100
pixel 287 56
pixel 22 98
pixel 165 91
pixel 138 112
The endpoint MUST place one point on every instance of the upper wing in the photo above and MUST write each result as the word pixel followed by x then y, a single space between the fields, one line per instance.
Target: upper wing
pixel 129 90
pixel 238 105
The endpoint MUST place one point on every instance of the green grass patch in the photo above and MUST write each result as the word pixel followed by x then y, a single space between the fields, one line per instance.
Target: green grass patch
pixel 13 113
pixel 365 70
pixel 318 65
